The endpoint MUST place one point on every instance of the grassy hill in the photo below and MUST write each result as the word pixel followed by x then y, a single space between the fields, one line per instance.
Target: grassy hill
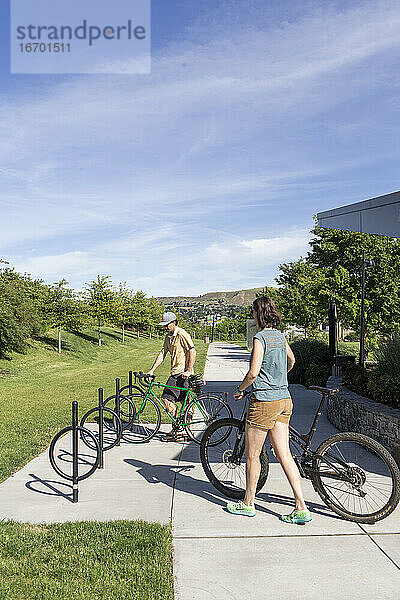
pixel 37 389
pixel 236 298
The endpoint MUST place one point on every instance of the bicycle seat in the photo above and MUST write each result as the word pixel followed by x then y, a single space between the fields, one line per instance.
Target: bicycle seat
pixel 324 391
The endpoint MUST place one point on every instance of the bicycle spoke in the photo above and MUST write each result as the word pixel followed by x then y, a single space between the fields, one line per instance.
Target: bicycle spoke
pixel 225 469
pixel 361 482
pixel 201 412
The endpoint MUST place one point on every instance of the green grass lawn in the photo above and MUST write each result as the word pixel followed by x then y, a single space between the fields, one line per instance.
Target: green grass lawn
pixel 38 388
pixel 117 560
pixel 86 560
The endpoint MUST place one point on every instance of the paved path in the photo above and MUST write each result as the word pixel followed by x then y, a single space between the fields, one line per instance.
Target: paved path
pixel 218 555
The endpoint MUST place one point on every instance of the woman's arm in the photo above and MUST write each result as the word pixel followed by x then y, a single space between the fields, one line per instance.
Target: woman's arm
pixel 255 366
pixel 290 357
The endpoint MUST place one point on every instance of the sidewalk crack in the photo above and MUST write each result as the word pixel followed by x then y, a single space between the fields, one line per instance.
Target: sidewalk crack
pixel 378 546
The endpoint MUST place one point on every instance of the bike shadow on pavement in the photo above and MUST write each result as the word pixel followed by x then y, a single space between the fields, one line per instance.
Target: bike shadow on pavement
pixel 177 478
pixel 316 508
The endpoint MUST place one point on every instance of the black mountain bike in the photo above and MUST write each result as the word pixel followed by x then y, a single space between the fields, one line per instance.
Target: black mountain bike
pixel 353 474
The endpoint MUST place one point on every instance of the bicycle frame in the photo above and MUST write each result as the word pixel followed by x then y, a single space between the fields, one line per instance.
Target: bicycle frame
pixel 304 441
pixel 189 397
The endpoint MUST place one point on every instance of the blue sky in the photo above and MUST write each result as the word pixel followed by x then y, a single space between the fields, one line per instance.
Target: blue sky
pixel 205 174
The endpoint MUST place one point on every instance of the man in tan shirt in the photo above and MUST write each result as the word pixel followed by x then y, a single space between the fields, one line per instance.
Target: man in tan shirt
pixel 183 354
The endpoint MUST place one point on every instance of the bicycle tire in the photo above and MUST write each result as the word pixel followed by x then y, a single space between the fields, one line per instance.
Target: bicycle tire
pixel 229 480
pixel 116 428
pixel 383 476
pixel 194 421
pixel 53 460
pixel 144 426
pixel 127 409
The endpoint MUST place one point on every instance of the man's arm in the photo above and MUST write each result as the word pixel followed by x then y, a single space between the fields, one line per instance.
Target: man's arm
pixel 157 362
pixel 190 360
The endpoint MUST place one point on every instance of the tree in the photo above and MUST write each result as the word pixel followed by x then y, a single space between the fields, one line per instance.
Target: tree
pixel 65 309
pixel 156 312
pixel 19 315
pixel 297 297
pixel 332 270
pixel 101 301
pixel 124 307
pixel 141 312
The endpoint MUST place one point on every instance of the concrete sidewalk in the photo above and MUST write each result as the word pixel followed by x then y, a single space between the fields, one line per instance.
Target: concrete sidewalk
pixel 217 554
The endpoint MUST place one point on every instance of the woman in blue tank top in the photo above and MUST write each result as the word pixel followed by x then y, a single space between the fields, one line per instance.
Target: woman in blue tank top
pixel 270 408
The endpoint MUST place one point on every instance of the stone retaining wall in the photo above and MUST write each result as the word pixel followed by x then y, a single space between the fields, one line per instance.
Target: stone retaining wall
pixel 350 412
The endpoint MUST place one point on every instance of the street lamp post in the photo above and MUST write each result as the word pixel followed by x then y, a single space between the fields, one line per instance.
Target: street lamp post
pixel 332 318
pixel 365 263
pixel 212 331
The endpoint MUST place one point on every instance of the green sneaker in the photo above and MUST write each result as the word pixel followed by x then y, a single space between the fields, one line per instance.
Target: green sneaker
pixel 240 508
pixel 299 517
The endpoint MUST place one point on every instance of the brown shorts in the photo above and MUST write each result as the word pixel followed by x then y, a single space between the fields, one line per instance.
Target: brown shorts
pixel 264 414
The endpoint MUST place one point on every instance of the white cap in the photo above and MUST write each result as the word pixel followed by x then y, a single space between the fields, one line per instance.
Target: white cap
pixel 167 318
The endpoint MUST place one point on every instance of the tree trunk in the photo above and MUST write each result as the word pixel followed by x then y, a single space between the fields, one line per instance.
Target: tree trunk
pixel 99 336
pixel 150 334
pixel 138 334
pixel 59 339
pixel 123 333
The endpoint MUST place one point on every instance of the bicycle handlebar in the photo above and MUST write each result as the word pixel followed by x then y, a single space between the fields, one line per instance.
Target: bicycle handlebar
pixel 147 379
pixel 244 395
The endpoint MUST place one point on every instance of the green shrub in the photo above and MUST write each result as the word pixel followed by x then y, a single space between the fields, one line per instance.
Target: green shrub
pixel 355 378
pixel 387 355
pixel 384 388
pixel 378 386
pixel 349 348
pixel 353 336
pixel 317 375
pixel 307 352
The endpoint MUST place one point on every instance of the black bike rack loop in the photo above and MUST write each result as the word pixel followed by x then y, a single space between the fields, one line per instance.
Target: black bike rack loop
pixel 75 429
pixel 101 410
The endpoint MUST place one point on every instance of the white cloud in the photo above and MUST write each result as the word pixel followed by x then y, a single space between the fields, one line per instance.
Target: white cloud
pixel 55 266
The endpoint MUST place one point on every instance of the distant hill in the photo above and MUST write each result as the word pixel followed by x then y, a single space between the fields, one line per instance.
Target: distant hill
pixel 236 298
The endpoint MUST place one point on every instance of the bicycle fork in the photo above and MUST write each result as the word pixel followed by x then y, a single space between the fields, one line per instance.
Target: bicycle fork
pixel 238 448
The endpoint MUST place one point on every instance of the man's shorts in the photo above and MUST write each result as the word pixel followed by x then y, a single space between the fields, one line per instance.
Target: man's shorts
pixel 176 395
pixel 264 414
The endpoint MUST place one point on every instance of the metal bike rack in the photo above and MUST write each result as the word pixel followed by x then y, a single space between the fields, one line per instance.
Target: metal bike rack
pixel 84 433
pixel 75 429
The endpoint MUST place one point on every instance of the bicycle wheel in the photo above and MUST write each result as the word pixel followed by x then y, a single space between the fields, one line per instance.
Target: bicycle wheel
pixel 356 477
pixel 224 463
pixel 147 421
pixel 112 428
pixel 126 411
pixel 203 411
pixel 61 449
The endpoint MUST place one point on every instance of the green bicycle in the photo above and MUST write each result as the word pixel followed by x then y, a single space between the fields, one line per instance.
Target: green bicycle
pixel 197 411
